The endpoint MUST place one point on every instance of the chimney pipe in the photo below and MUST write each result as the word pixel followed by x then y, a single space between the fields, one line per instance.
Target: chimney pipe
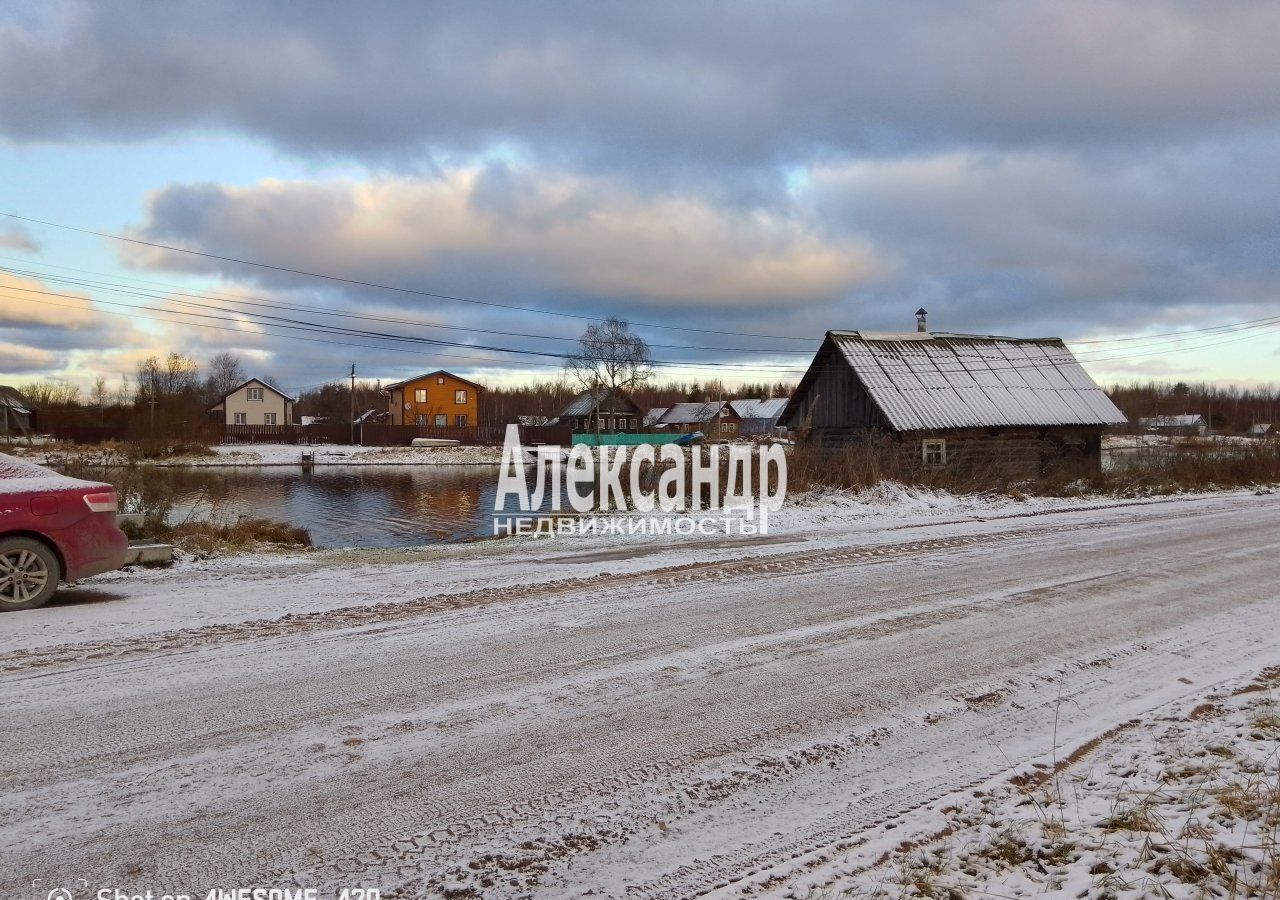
pixel 921 313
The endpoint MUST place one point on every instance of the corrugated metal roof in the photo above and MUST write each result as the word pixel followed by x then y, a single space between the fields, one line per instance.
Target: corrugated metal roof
pixel 923 381
pixel 1259 428
pixel 581 405
pixel 760 409
pixel 12 398
pixel 585 403
pixel 1184 420
pixel 691 413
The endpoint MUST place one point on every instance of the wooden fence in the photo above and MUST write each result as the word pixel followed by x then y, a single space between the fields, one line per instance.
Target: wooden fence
pixel 327 433
pixel 369 434
pixel 402 435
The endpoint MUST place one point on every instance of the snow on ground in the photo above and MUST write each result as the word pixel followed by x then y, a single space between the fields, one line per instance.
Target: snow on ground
pixel 234 587
pixel 275 455
pixel 1176 805
pixel 515 719
pixel 340 454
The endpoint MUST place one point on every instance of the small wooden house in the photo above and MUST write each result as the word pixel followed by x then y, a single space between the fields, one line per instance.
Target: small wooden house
pixel 602 410
pixel 759 416
pixel 1261 430
pixel 949 400
pixel 17 413
pixel 256 402
pixel 715 419
pixel 1183 425
pixel 437 399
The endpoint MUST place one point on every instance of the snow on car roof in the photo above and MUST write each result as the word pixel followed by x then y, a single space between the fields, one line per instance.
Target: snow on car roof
pixel 18 476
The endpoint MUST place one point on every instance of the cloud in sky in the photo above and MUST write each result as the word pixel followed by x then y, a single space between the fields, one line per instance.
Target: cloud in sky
pixel 643 82
pixel 1028 167
pixel 585 240
pixel 28 302
pixel 21 359
pixel 15 237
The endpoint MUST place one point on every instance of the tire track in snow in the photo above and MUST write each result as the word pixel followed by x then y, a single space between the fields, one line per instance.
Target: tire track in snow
pixel 63 655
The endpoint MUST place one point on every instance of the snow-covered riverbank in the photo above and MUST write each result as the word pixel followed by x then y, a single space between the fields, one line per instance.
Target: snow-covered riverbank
pixel 281 455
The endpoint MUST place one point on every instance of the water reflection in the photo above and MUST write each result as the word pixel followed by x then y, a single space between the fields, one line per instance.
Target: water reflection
pixel 351 506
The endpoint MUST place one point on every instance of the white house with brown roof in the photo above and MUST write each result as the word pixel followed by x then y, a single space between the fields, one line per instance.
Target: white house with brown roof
pixel 256 402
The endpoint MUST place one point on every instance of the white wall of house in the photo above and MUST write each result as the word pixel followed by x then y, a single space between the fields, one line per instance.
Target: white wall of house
pixel 256 403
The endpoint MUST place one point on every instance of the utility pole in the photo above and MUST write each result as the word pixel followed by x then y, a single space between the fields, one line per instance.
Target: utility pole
pixel 353 403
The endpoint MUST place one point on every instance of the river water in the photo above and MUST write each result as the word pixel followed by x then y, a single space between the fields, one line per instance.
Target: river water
pixel 342 506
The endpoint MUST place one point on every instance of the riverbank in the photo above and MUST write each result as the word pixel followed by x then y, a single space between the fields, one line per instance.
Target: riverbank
pixel 816 518
pixel 221 455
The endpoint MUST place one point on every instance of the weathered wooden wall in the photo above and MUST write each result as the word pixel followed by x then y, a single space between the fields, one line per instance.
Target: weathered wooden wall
pixel 836 402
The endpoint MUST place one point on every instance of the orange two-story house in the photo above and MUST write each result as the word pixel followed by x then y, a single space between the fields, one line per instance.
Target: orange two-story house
pixel 435 400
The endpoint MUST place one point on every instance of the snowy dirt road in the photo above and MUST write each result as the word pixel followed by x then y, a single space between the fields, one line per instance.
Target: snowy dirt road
pixel 500 721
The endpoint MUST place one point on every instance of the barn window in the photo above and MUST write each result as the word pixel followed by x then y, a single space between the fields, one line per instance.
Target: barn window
pixel 439 381
pixel 934 452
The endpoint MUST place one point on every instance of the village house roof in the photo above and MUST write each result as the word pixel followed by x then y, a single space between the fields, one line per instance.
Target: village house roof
pixel 585 403
pixel 1183 420
pixel 923 381
pixel 764 410
pixel 400 384
pixel 654 414
pixel 266 384
pixel 1259 428
pixel 692 413
pixel 12 398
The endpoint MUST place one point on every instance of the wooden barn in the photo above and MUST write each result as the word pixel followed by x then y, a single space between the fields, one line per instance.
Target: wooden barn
pixel 952 400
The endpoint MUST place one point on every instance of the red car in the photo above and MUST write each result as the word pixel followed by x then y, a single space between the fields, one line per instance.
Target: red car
pixel 52 529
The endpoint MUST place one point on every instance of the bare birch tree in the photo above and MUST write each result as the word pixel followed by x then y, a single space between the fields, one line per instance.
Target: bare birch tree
pixel 611 357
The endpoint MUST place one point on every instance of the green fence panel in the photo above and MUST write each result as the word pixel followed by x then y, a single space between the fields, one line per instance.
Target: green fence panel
pixel 624 440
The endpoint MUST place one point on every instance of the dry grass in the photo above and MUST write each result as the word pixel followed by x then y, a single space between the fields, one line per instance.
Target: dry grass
pixel 202 538
pixel 865 463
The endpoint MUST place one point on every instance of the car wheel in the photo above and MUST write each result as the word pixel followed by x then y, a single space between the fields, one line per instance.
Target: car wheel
pixel 29 573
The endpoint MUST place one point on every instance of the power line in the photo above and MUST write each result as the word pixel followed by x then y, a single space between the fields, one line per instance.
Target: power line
pixel 250 300
pixel 300 325
pixel 384 287
pixel 112 288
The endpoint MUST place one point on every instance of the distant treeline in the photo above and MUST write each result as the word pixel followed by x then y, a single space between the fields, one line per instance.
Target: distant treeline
pixel 171 395
pixel 1227 408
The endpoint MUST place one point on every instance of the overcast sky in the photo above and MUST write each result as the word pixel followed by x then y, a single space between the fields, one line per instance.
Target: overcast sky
pixel 1089 170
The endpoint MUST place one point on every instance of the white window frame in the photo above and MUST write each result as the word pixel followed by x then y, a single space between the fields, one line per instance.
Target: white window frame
pixel 269 419
pixel 253 394
pixel 419 395
pixel 442 421
pixel 460 396
pixel 933 447
pixel 460 420
pixel 240 418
